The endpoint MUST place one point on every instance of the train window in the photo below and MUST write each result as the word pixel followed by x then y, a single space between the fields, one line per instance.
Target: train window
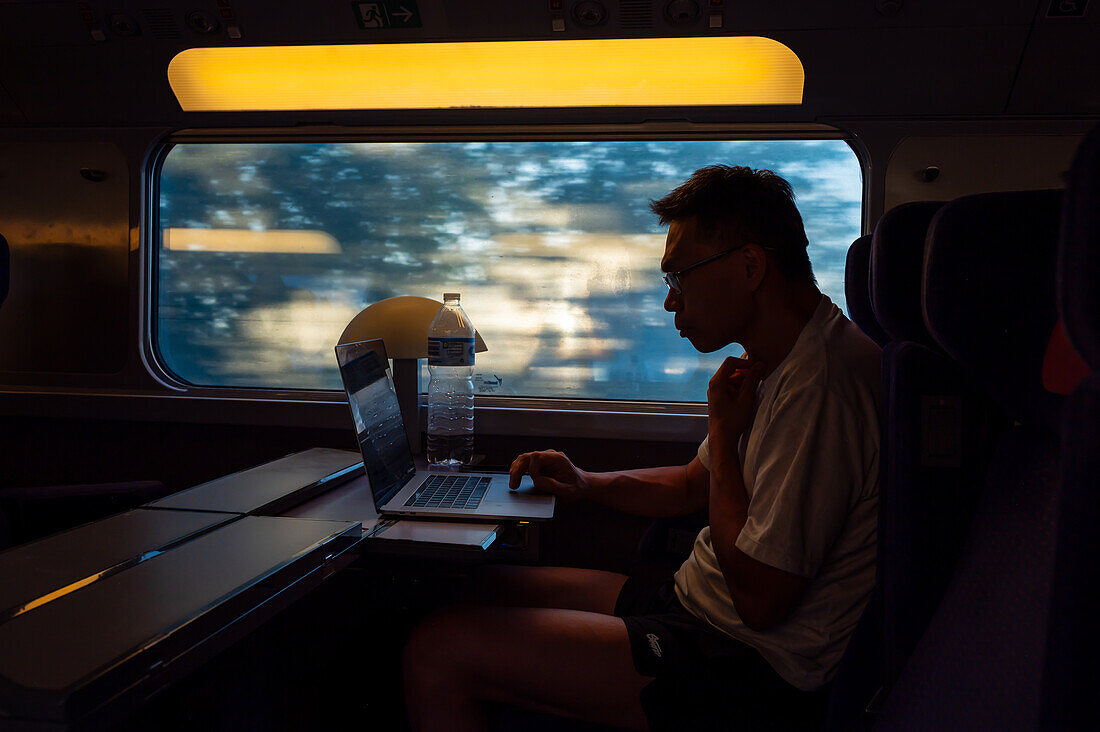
pixel 266 251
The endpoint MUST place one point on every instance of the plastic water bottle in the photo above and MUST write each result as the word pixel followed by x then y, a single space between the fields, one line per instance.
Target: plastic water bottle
pixel 451 385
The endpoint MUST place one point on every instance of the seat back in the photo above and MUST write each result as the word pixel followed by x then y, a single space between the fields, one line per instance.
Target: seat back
pixel 1073 638
pixel 936 443
pixel 857 289
pixel 896 271
pixel 859 673
pixel 988 294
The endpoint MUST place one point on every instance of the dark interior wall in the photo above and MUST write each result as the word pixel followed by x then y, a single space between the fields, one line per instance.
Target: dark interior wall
pixel 42 451
pixel 51 451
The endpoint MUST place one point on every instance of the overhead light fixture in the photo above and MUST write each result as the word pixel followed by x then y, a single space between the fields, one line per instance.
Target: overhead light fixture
pixel 631 72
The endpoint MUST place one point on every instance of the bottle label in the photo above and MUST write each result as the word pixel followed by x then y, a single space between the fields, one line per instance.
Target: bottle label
pixel 450 351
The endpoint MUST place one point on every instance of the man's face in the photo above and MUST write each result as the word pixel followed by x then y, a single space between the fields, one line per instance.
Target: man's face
pixel 712 305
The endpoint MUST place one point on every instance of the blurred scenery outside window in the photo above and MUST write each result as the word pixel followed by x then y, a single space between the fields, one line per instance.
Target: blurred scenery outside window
pixel 266 251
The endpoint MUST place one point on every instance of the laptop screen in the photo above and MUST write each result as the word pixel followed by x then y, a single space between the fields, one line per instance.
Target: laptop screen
pixel 387 460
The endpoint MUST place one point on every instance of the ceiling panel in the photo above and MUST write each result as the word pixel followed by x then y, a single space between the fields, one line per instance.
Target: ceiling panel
pixel 1060 73
pixel 42 24
pixel 9 112
pixel 908 71
pixel 938 57
pixel 263 21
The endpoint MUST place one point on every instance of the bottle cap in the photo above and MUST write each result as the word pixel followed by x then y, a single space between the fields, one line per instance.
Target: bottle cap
pixel 452 295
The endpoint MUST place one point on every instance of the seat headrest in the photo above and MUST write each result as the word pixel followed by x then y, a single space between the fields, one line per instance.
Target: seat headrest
pixel 897 260
pixel 1079 252
pixel 857 290
pixel 989 294
pixel 5 268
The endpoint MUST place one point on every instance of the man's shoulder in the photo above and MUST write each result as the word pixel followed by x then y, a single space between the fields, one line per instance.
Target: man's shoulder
pixel 837 360
pixel 855 356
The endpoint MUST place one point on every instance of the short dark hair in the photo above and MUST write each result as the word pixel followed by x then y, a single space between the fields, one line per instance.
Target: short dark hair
pixel 758 205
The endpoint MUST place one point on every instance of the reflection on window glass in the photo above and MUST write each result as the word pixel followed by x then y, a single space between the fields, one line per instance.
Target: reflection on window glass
pixel 268 250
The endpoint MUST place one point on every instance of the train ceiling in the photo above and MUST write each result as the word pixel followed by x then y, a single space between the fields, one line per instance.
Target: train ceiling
pixel 104 62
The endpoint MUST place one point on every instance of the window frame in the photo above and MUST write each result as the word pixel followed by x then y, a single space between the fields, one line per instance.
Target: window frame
pixel 516 415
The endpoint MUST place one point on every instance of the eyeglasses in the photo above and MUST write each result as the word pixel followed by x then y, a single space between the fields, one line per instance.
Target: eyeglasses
pixel 672 279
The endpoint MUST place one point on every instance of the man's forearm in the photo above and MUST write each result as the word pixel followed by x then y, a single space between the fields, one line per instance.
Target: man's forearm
pixel 729 510
pixel 653 492
pixel 762 595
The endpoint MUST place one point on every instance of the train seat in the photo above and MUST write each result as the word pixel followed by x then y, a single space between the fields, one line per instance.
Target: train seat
pixel 978 663
pixel 1071 675
pixel 859 675
pixel 926 394
pixel 857 289
pixel 914 563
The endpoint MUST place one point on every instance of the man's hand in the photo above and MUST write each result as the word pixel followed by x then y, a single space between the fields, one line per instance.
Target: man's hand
pixel 552 472
pixel 730 398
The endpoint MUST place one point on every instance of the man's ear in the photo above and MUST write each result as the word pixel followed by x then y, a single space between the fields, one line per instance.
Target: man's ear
pixel 756 266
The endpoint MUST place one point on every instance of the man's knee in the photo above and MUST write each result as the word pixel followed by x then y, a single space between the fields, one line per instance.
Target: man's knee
pixel 495 575
pixel 503 585
pixel 438 648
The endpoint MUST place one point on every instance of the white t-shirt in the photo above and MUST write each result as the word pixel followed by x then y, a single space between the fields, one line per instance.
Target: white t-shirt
pixel 810 462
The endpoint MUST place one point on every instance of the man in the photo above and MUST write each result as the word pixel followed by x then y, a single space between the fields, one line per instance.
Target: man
pixel 763 607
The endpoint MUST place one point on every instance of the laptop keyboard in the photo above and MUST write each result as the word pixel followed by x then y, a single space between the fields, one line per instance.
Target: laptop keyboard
pixel 450 491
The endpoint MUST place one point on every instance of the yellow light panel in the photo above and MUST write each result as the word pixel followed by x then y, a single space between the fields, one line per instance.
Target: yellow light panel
pixel 586 73
pixel 273 241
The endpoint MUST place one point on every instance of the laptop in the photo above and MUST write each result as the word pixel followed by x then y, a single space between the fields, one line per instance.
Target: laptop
pixel 399 489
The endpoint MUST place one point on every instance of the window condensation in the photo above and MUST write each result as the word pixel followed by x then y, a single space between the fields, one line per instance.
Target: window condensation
pixel 266 251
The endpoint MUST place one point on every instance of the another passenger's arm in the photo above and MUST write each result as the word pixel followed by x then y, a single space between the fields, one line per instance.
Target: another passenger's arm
pixel 665 491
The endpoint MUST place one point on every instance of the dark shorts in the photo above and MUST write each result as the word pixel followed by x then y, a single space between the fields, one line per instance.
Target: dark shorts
pixel 703 679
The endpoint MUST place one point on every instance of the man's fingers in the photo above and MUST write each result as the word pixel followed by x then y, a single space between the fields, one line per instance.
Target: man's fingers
pixel 519 467
pixel 730 366
pixel 536 464
pixel 753 371
pixel 732 363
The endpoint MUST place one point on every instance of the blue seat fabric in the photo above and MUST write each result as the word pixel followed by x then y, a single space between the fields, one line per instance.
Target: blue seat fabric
pixel 857 290
pixel 939 441
pixel 860 671
pixel 935 445
pixel 988 295
pixel 897 263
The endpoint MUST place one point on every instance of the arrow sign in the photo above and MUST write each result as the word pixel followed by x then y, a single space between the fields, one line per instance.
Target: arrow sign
pixel 382 14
